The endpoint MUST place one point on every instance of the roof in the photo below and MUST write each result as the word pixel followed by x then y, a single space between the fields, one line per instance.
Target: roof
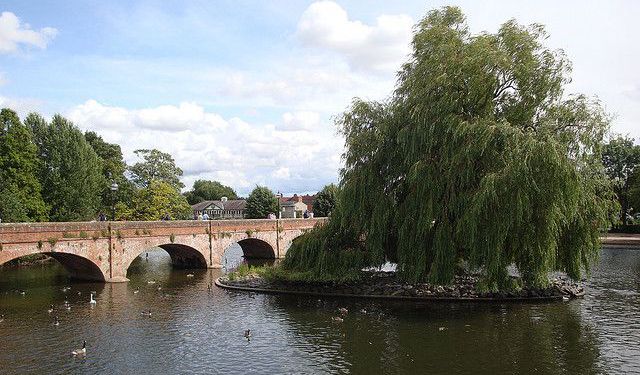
pixel 237 204
pixel 306 199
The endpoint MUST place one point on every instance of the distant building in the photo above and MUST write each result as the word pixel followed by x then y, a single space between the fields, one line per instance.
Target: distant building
pixel 222 209
pixel 294 207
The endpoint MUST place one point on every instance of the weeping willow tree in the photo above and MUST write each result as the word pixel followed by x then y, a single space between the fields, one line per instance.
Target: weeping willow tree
pixel 477 158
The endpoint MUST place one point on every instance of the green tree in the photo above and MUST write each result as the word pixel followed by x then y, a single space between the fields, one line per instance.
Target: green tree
pixel 325 201
pixel 261 202
pixel 157 165
pixel 621 157
pixel 204 190
pixel 113 171
pixel 155 201
pixel 478 159
pixel 20 191
pixel 70 170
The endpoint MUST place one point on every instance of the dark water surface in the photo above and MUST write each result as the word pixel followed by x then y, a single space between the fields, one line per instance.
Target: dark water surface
pixel 194 330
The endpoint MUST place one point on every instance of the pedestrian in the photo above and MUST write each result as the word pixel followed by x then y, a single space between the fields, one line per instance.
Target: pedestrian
pixel 305 214
pixel 205 216
pixel 200 217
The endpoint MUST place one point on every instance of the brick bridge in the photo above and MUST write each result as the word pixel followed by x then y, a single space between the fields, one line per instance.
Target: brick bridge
pixel 103 251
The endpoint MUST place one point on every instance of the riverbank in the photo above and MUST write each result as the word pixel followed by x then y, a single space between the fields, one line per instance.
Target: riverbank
pixel 386 285
pixel 621 239
pixel 27 261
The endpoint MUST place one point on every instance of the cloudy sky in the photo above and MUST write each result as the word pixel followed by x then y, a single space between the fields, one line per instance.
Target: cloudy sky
pixel 244 91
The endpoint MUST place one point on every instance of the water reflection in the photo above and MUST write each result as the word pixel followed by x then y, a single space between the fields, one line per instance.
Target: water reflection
pixel 194 329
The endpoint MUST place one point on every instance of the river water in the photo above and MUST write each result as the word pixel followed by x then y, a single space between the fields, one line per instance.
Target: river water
pixel 196 330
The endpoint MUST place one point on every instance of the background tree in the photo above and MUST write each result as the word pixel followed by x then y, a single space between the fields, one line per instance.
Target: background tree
pixel 260 203
pixel 325 201
pixel 157 165
pixel 204 190
pixel 70 170
pixel 155 201
pixel 20 190
pixel 621 157
pixel 113 169
pixel 477 158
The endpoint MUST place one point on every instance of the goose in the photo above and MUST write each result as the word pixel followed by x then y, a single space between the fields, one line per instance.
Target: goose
pixel 247 334
pixel 22 292
pixel 136 291
pixel 56 322
pixel 50 309
pixel 91 300
pixel 343 310
pixel 81 351
pixel 189 275
pixel 151 282
pixel 337 319
pixel 159 288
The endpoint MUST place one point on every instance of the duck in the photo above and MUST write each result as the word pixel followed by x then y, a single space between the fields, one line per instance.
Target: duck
pixel 189 275
pixel 146 313
pixel 68 307
pixel 50 309
pixel 22 292
pixel 136 291
pixel 363 311
pixel 159 288
pixel 343 310
pixel 151 282
pixel 247 334
pixel 80 352
pixel 56 322
pixel 1 318
pixel 91 300
pixel 337 319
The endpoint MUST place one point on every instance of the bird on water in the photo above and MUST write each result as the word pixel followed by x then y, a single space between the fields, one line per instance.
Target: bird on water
pixel 80 352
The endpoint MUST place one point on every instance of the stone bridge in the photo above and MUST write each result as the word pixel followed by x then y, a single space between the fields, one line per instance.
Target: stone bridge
pixel 103 251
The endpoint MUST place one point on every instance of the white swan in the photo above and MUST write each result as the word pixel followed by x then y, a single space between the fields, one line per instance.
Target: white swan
pixel 91 300
pixel 81 351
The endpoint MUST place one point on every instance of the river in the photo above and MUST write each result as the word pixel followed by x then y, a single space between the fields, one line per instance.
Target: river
pixel 196 330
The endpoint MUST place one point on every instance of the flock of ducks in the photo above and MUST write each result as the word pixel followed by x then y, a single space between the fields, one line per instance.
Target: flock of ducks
pixel 81 352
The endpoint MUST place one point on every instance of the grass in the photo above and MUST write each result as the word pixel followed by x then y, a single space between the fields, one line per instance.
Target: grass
pixel 278 273
pixel 83 234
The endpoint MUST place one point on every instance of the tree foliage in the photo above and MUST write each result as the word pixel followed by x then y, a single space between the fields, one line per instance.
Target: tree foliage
pixel 325 201
pixel 204 190
pixel 155 201
pixel 477 159
pixel 156 166
pixel 261 202
pixel 69 169
pixel 621 158
pixel 113 171
pixel 20 190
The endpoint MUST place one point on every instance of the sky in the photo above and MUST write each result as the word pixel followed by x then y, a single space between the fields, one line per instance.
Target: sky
pixel 245 92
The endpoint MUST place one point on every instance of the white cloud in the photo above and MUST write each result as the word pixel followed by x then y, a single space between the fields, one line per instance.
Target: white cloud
pixel 302 120
pixel 298 154
pixel 382 46
pixel 13 34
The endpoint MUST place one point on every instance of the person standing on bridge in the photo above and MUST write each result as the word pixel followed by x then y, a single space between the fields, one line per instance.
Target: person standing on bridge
pixel 205 216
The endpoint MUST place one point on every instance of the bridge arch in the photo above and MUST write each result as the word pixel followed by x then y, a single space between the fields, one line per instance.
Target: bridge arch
pixel 255 248
pixel 182 256
pixel 78 267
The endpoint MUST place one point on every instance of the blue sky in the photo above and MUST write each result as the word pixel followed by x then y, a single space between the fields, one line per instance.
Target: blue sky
pixel 244 92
